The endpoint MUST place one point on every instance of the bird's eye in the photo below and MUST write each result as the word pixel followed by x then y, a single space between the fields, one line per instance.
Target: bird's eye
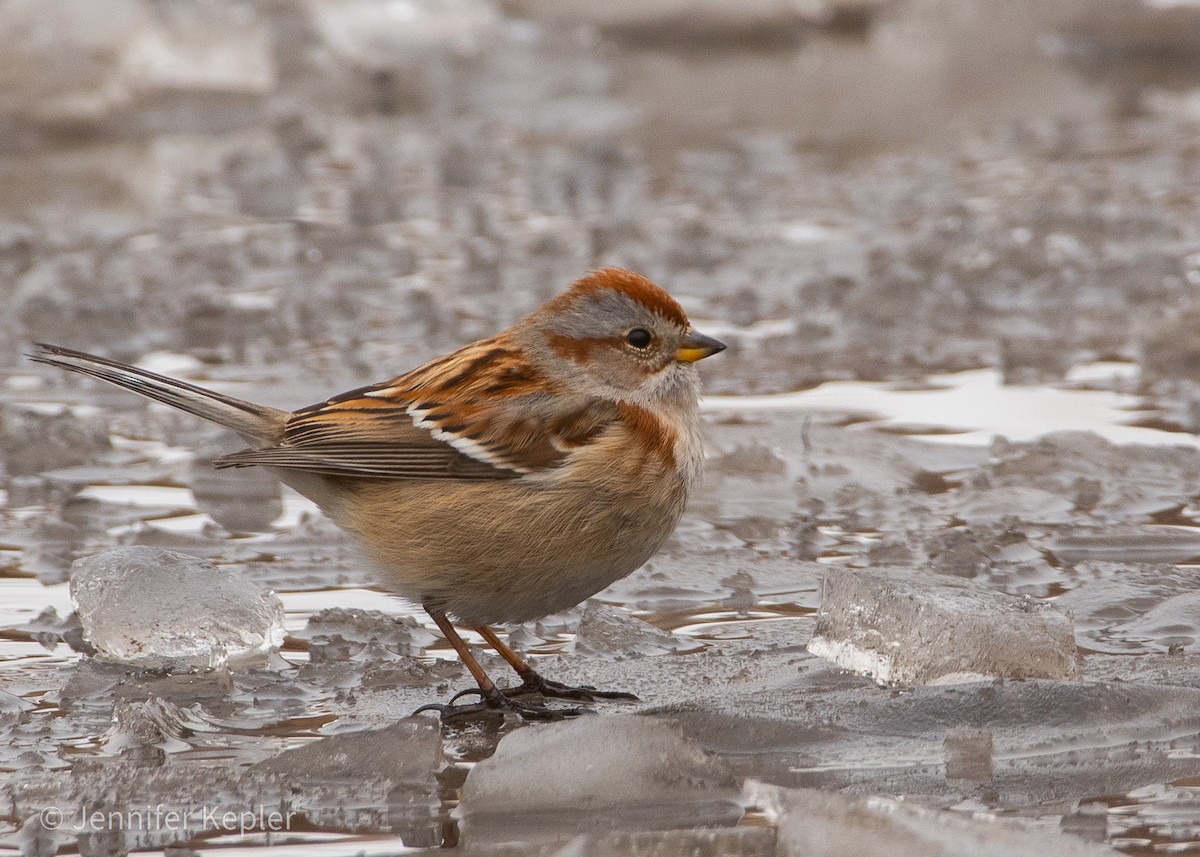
pixel 639 338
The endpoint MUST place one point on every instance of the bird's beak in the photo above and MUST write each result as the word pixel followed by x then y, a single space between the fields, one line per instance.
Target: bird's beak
pixel 697 346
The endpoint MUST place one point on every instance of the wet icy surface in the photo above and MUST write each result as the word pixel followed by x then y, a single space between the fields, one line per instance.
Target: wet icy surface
pixel 955 253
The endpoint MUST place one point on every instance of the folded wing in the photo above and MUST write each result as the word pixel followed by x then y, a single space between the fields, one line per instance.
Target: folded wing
pixel 479 413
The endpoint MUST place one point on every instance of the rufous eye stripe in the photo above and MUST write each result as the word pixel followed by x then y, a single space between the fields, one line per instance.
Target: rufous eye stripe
pixel 575 348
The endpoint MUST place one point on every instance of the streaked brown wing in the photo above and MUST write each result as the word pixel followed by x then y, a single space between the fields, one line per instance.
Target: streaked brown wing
pixel 478 413
pixel 369 460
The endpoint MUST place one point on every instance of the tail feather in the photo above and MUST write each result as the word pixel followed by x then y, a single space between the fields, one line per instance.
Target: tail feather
pixel 256 423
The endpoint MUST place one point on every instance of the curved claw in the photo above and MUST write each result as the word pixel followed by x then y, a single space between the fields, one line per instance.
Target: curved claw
pixel 440 708
pixel 470 691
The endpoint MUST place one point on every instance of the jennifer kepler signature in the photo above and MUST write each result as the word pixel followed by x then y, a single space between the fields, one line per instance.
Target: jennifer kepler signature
pixel 168 817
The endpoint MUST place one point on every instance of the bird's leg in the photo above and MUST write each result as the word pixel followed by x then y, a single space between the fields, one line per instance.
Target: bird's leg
pixel 492 697
pixel 487 688
pixel 533 682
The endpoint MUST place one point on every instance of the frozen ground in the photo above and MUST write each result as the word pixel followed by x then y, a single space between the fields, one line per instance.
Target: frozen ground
pixel 955 247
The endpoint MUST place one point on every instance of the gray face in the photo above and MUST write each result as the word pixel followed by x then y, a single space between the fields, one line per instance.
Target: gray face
pixel 620 344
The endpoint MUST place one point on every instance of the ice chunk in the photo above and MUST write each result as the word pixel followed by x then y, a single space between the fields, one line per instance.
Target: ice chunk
pixel 612 633
pixel 1022 501
pixel 903 628
pixel 1113 483
pixel 49 630
pixel 370 782
pixel 1134 608
pixel 409 750
pixel 11 707
pixel 158 608
pixel 35 838
pixel 980 549
pixel 367 648
pixel 1050 740
pixel 820 824
pixel 599 773
pixel 402 760
pixel 1173 625
pixel 352 629
pixel 153 722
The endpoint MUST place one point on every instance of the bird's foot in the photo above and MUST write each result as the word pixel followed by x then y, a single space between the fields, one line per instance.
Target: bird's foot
pixel 532 682
pixel 496 703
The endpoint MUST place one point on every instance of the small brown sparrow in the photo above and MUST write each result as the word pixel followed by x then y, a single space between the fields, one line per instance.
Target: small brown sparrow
pixel 507 480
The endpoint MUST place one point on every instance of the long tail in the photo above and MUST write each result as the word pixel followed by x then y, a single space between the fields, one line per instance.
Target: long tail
pixel 256 423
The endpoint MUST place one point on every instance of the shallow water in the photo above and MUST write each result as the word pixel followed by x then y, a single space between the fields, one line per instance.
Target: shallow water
pixel 957 411
pixel 974 407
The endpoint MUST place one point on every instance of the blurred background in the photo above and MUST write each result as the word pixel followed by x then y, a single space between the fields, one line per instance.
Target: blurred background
pixel 870 189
